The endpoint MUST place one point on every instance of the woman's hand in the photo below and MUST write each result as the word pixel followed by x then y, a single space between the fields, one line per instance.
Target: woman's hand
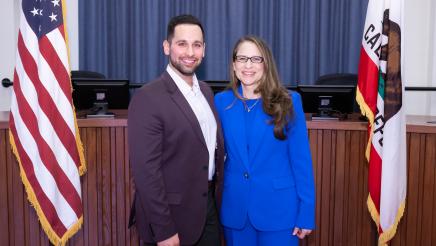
pixel 172 241
pixel 301 233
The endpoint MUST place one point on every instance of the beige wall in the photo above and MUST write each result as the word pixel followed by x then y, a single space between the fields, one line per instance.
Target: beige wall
pixel 432 73
pixel 8 40
pixel 419 37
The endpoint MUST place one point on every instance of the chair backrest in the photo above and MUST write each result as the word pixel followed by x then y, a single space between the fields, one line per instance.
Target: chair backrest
pixel 337 79
pixel 83 74
pixel 340 79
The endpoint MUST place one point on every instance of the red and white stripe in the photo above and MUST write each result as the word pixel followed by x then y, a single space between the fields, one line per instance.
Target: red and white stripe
pixel 43 128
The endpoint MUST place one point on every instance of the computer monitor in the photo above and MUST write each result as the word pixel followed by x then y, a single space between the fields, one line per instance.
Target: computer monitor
pixel 328 101
pixel 98 95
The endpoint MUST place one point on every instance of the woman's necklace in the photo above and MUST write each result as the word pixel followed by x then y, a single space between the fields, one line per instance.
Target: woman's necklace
pixel 249 108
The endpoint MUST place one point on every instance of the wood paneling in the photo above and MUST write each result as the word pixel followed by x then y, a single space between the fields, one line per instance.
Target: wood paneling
pixel 341 189
pixel 106 190
pixel 4 205
pixel 340 174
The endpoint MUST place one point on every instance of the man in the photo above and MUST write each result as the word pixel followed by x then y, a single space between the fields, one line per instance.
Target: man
pixel 176 147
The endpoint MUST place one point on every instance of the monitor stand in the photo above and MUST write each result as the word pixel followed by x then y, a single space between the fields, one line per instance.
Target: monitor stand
pixel 99 110
pixel 328 114
pixel 323 117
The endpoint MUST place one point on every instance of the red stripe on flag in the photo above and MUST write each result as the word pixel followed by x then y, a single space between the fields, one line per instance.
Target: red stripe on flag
pixel 47 104
pixel 47 207
pixel 62 30
pixel 50 55
pixel 368 80
pixel 374 177
pixel 45 152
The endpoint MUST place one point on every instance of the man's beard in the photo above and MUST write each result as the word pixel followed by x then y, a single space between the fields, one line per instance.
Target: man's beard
pixel 182 69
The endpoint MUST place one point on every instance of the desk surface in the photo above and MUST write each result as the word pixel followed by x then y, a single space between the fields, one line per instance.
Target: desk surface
pixel 415 123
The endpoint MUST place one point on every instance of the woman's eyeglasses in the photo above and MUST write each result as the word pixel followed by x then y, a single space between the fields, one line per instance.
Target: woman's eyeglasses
pixel 253 59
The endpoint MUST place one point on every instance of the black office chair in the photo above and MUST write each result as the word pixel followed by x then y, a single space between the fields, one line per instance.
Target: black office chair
pixel 84 74
pixel 217 85
pixel 340 79
pixel 337 79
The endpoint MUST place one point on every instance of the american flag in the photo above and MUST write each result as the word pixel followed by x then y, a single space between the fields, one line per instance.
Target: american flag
pixel 43 129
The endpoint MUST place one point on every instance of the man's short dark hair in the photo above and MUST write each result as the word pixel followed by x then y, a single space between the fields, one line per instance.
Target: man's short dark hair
pixel 182 19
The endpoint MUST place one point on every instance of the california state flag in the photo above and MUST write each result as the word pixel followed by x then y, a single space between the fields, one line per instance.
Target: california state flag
pixel 380 95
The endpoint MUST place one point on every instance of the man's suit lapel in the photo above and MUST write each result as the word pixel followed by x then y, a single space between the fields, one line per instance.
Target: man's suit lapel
pixel 184 106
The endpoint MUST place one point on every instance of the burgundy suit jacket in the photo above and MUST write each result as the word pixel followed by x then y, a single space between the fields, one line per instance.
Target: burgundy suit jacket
pixel 169 162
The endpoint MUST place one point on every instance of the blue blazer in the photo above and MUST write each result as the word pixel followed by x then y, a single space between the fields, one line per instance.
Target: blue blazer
pixel 274 184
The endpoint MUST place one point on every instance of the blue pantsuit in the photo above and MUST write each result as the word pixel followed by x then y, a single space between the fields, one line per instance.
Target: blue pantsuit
pixel 268 183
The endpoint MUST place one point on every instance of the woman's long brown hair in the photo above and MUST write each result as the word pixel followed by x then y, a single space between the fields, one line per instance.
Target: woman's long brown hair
pixel 276 100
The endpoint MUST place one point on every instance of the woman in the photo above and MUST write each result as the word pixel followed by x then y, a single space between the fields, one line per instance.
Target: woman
pixel 269 193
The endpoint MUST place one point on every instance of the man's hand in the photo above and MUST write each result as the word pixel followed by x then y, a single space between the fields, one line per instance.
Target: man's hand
pixel 172 241
pixel 301 233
